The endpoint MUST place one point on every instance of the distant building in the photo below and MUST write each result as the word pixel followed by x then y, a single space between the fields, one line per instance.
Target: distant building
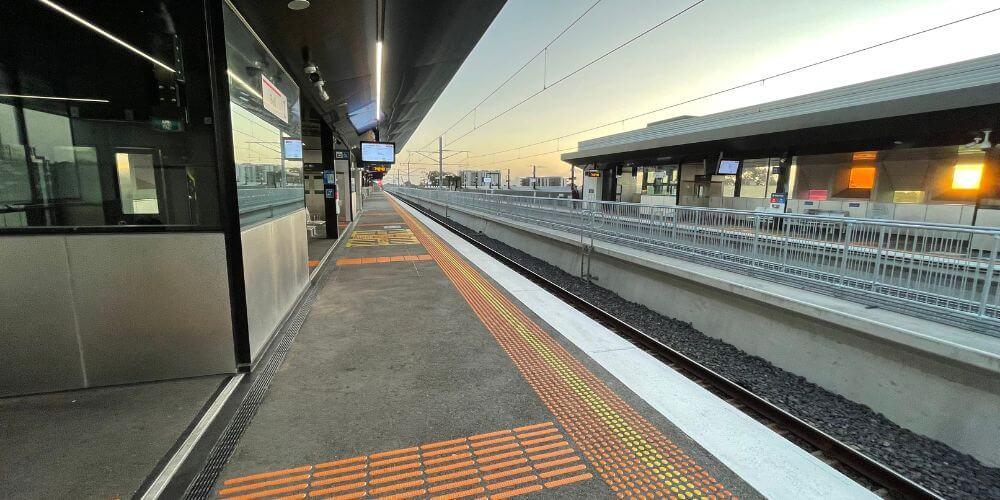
pixel 548 181
pixel 480 179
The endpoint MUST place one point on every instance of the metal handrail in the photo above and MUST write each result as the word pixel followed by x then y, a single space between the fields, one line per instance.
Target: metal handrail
pixel 944 272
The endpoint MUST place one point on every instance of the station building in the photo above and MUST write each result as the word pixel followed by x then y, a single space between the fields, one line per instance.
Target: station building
pixel 155 162
pixel 913 147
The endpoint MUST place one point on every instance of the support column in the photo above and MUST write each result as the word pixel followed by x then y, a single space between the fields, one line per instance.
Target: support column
pixel 329 181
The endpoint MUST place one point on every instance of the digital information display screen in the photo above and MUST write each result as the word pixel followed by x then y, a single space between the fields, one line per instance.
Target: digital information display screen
pixel 729 167
pixel 293 149
pixel 378 152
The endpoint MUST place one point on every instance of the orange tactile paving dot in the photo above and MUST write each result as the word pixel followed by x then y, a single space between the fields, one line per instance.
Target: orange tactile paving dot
pixel 631 455
pixel 443 469
pixel 354 261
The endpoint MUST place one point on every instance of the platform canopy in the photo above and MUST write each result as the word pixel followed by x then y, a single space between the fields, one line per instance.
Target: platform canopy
pixel 424 45
pixel 943 105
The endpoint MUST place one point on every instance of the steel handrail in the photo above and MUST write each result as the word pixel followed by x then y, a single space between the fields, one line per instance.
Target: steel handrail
pixel 943 272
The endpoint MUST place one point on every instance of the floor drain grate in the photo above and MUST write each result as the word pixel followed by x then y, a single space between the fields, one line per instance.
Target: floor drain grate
pixel 201 487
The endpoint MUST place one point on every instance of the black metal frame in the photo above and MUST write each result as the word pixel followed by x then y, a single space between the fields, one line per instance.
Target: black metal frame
pixel 229 210
pixel 362 143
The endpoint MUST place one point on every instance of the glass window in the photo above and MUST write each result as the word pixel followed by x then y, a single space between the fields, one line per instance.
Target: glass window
pixel 106 129
pixel 660 180
pixel 944 174
pixel 861 178
pixel 754 178
pixel 264 108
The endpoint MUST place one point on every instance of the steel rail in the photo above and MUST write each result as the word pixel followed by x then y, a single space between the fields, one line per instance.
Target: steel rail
pixel 843 453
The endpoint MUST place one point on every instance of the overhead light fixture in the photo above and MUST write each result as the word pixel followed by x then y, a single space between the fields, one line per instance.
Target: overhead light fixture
pixel 105 34
pixel 298 4
pixel 378 80
pixel 53 98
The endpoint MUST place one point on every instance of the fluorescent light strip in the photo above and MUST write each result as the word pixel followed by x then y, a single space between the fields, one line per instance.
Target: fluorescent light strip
pixel 378 80
pixel 244 84
pixel 105 34
pixel 54 98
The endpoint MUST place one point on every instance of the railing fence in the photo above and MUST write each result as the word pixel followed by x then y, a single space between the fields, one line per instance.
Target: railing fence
pixel 945 273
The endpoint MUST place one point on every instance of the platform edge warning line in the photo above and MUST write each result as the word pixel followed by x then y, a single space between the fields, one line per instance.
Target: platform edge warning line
pixel 592 414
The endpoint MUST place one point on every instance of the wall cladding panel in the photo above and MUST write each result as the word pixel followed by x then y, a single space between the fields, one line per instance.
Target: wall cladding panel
pixel 152 306
pixel 275 253
pixel 37 323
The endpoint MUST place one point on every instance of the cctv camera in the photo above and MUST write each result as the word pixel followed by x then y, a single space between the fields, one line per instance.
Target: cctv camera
pixel 312 71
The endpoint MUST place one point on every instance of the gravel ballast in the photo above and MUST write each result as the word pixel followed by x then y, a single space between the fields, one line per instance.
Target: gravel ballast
pixel 928 462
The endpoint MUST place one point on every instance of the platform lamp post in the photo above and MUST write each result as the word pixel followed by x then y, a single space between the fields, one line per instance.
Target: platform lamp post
pixel 440 163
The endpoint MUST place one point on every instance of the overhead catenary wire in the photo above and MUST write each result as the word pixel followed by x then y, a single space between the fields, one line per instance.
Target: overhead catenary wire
pixel 548 86
pixel 736 87
pixel 519 70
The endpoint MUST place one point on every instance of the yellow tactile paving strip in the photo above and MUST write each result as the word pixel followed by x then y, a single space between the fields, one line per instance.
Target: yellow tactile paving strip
pixel 381 237
pixel 631 455
pixel 497 464
pixel 354 261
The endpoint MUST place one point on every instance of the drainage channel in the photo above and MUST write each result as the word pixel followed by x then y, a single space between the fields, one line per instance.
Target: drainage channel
pixel 196 463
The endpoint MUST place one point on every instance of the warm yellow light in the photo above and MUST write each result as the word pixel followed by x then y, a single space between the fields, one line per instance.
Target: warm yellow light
pixel 862 178
pixel 967 176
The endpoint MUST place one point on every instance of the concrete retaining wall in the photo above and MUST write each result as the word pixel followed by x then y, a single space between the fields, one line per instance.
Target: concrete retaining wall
pixel 936 380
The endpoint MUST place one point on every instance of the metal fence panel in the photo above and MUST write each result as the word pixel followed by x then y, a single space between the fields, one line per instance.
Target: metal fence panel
pixel 946 273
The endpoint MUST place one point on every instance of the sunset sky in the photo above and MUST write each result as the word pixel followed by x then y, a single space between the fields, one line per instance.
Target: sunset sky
pixel 715 45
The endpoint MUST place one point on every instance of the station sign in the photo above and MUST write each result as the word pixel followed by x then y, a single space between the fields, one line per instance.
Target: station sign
pixel 341 154
pixel 592 173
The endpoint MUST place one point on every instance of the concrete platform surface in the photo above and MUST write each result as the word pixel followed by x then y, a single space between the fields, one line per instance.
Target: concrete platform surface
pixel 422 378
pixel 94 443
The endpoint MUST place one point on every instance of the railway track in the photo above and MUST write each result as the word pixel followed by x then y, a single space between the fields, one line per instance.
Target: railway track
pixel 879 478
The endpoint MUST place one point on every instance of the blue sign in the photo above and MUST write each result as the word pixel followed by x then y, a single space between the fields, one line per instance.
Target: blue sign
pixel 329 193
pixel 329 177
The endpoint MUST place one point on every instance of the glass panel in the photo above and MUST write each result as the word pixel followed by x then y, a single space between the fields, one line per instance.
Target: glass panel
pixel 862 178
pixel 137 183
pixel 264 107
pixel 907 196
pixel 754 178
pixel 94 134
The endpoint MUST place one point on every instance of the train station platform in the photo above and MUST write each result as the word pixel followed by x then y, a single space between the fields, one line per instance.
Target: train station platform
pixel 426 370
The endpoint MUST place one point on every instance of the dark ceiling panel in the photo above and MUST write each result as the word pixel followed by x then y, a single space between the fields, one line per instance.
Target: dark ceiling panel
pixel 425 44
